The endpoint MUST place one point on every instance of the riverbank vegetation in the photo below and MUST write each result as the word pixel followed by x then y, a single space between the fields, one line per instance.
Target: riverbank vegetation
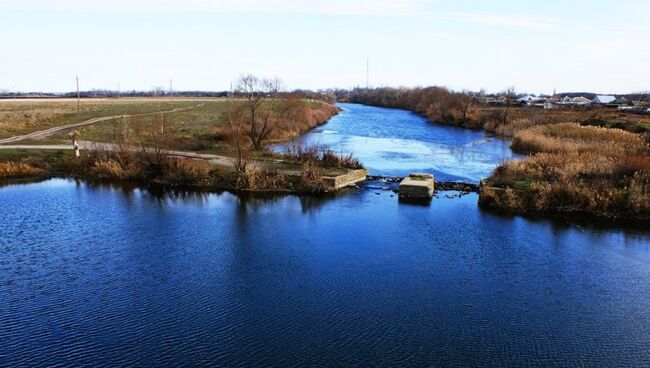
pixel 586 161
pixel 157 142
pixel 574 169
pixel 467 109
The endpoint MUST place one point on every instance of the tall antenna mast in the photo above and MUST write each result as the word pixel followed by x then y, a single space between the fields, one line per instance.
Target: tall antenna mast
pixel 367 72
pixel 78 96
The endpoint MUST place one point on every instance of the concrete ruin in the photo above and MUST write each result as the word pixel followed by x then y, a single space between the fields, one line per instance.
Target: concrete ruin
pixel 418 185
pixel 336 182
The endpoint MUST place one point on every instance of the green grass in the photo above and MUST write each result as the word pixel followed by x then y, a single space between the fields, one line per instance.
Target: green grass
pixel 22 117
pixel 50 156
pixel 189 129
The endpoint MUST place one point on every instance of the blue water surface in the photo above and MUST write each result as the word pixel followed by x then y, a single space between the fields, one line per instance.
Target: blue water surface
pixel 101 275
pixel 395 142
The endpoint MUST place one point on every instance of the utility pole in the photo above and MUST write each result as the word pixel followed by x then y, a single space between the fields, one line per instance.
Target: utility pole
pixel 171 91
pixel 15 92
pixel 118 91
pixel 78 96
pixel 367 72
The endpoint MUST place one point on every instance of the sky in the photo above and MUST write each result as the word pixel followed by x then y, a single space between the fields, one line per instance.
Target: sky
pixel 536 47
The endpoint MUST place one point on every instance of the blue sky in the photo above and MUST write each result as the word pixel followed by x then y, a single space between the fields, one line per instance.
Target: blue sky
pixel 599 46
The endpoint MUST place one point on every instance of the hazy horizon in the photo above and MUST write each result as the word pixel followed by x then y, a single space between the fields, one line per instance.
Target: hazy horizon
pixel 594 46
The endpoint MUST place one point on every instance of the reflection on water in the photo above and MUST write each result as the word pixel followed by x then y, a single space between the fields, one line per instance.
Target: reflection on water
pixel 397 142
pixel 111 275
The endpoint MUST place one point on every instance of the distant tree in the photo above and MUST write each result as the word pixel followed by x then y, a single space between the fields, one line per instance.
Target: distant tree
pixel 510 95
pixel 466 101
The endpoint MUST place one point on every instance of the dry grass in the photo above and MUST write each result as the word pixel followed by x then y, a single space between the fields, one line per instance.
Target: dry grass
pixel 573 138
pixel 261 179
pixel 17 169
pixel 24 116
pixel 301 117
pixel 321 156
pixel 148 166
pixel 598 171
pixel 311 175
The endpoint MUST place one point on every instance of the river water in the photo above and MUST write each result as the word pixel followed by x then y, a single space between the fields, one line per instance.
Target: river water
pixel 111 276
pixel 396 142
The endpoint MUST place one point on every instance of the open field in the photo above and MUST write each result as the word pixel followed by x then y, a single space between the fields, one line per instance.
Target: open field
pixel 184 142
pixel 18 117
pixel 196 125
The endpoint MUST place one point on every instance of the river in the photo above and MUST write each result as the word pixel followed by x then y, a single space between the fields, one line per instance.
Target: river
pixel 395 142
pixel 106 275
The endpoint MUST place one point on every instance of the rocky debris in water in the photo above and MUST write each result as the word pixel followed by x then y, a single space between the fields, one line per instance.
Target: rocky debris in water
pixel 461 187
pixel 386 183
pixel 384 179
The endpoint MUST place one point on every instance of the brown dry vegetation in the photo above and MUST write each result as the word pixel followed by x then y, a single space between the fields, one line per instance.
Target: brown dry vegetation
pixel 142 140
pixel 17 169
pixel 597 171
pixel 321 156
pixel 595 162
pixel 445 106
pixel 294 118
pixel 148 166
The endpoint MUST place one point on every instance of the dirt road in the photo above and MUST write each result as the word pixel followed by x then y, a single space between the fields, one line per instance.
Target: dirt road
pixel 50 131
pixel 87 145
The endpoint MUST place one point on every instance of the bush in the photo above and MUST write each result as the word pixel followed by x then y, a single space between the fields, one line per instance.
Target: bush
pixel 17 169
pixel 322 156
pixel 311 176
pixel 609 179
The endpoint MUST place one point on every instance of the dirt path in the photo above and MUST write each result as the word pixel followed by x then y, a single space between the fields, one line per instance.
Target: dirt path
pixel 87 145
pixel 50 131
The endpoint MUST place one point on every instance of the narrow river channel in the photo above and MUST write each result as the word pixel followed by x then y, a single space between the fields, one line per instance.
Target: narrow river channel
pixel 396 142
pixel 113 276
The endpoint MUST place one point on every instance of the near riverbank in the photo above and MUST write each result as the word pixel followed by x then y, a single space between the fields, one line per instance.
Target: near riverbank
pixel 190 146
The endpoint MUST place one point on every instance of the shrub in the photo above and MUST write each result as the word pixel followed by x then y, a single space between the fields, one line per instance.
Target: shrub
pixel 320 155
pixel 311 177
pixel 17 169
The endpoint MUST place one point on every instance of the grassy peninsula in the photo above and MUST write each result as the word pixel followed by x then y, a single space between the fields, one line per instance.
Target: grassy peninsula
pixel 210 143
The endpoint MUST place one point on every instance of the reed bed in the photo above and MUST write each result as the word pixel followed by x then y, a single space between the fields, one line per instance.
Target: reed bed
pixel 574 169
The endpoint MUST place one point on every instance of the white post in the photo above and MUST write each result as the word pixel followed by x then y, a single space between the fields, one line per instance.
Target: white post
pixel 75 144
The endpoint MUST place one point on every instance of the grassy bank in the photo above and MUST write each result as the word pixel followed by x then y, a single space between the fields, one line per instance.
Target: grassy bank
pixel 594 162
pixel 200 127
pixel 293 172
pixel 138 144
pixel 574 169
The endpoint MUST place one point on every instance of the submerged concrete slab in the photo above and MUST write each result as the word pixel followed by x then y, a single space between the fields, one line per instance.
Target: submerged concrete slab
pixel 418 185
pixel 337 182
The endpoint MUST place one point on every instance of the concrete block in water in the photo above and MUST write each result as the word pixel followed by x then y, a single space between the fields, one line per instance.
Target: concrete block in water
pixel 417 186
pixel 337 182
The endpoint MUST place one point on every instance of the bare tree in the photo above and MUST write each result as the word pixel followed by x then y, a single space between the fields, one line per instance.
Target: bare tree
pixel 236 133
pixel 260 97
pixel 510 96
